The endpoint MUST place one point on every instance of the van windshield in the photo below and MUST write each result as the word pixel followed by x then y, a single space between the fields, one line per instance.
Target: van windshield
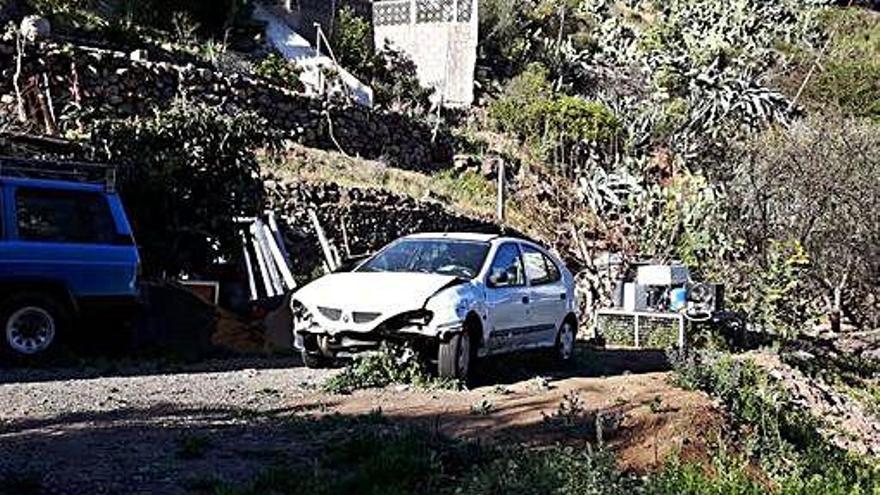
pixel 445 257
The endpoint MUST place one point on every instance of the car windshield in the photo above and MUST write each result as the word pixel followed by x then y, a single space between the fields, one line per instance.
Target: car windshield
pixel 446 257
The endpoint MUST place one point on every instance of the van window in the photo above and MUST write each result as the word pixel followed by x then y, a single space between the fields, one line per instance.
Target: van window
pixel 44 215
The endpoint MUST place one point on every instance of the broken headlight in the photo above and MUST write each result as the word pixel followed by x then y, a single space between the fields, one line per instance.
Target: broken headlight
pixel 418 318
pixel 302 317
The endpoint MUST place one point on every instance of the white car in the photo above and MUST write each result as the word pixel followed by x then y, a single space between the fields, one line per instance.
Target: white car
pixel 451 296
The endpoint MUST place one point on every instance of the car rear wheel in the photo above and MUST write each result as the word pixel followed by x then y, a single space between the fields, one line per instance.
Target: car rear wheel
pixel 32 325
pixel 565 340
pixel 454 357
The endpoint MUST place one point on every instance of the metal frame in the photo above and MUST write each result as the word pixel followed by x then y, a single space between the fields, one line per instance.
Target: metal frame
pixel 637 315
pixel 95 173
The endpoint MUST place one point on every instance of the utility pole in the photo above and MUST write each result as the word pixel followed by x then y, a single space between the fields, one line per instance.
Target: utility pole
pixel 499 207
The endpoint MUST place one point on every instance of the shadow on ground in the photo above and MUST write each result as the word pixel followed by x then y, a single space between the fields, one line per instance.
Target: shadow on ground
pixel 172 450
pixel 588 361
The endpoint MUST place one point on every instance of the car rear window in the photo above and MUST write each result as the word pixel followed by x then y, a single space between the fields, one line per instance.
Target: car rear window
pixel 539 268
pixel 63 216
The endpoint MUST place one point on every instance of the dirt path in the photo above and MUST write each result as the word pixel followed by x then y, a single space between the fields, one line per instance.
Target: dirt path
pixel 160 432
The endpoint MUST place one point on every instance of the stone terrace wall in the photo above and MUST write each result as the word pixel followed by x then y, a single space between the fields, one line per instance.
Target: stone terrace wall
pixel 111 84
pixel 372 218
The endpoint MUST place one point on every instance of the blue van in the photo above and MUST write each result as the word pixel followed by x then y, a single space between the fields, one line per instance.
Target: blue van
pixel 66 249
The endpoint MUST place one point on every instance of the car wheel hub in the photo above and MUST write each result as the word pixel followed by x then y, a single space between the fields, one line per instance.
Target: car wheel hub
pixel 464 354
pixel 30 330
pixel 566 341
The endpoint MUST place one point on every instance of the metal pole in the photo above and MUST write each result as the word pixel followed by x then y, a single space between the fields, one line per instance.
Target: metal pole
pixel 637 329
pixel 499 209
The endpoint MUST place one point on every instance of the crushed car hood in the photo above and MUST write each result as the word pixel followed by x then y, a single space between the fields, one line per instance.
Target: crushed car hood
pixel 382 292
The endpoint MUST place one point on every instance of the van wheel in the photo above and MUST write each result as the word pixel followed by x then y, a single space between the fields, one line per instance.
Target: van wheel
pixel 32 324
pixel 454 357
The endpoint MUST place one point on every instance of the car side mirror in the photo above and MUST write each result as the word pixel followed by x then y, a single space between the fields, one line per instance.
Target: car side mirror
pixel 499 278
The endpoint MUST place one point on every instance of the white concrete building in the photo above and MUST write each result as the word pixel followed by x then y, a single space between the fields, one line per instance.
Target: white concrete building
pixel 441 38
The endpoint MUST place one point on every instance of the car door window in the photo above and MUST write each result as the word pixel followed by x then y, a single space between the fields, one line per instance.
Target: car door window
pixel 507 269
pixel 540 269
pixel 63 216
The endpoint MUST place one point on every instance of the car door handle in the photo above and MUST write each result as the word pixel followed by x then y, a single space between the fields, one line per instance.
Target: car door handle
pixel 525 299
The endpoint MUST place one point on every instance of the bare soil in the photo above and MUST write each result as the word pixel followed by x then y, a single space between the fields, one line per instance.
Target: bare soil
pixel 145 430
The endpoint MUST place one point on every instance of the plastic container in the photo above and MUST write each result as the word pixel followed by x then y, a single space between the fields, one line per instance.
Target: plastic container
pixel 677 299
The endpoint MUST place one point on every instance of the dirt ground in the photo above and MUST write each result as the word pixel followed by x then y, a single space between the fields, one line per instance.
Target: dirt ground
pixel 146 430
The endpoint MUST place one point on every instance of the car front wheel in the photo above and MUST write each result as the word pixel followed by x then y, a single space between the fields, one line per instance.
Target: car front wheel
pixel 454 357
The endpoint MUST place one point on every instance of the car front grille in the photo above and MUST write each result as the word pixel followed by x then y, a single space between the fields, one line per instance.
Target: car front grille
pixel 360 317
pixel 331 314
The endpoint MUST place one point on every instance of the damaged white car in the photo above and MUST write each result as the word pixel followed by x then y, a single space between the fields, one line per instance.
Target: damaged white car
pixel 453 297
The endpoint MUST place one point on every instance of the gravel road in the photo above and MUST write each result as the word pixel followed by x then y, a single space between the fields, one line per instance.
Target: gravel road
pixel 140 430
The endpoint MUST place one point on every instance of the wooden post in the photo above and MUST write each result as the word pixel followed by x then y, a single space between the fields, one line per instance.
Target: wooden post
pixel 499 211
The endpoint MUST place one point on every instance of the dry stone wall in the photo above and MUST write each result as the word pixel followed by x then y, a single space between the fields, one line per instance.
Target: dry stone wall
pixel 371 218
pixel 103 83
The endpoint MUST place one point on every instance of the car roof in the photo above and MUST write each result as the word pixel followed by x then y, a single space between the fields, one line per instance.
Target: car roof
pixel 467 236
pixel 52 184
pixel 455 236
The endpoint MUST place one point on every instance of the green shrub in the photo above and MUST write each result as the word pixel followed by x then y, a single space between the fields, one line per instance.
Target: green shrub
pixel 352 42
pixel 389 72
pixel 555 471
pixel 774 298
pixel 571 120
pixel 185 175
pixel 775 433
pixel 279 71
pixel 727 475
pixel 521 109
pixel 849 75
pixel 558 124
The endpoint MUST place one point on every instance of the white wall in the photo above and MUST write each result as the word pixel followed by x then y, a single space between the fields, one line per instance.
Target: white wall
pixel 441 38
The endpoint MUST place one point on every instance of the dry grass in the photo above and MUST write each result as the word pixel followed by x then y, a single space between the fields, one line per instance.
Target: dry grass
pixel 468 193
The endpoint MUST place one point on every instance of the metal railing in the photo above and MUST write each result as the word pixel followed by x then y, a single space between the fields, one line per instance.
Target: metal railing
pixel 642 327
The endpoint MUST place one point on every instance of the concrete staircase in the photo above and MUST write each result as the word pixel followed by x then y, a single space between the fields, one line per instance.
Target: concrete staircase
pixel 281 33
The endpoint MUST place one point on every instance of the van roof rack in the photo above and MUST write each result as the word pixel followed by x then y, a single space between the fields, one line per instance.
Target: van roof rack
pixel 93 173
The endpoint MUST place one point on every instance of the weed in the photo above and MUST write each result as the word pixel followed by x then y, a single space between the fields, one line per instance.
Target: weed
pixel 656 405
pixel 779 435
pixel 482 408
pixel 542 383
pixel 501 390
pixel 389 365
pixel 570 413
